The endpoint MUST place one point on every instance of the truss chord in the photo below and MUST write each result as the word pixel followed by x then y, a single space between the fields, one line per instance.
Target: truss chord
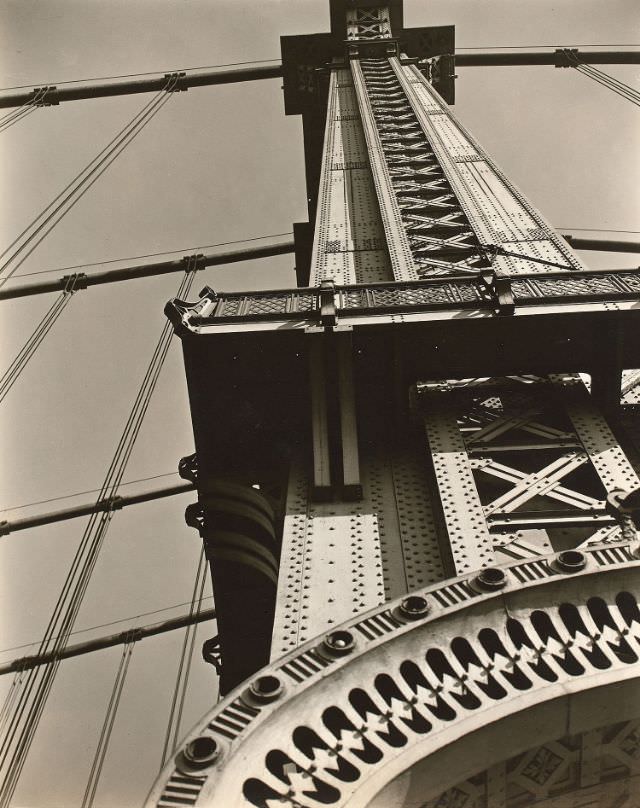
pixel 81 184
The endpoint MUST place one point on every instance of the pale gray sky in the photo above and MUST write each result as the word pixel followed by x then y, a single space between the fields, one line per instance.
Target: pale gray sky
pixel 217 164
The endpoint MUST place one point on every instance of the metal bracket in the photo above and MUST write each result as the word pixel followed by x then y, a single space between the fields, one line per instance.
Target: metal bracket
pixel 188 468
pixel 180 85
pixel 75 282
pixel 625 507
pixel 563 56
pixel 211 653
pixel 499 286
pixel 193 263
pixel 328 313
pixel 45 96
pixel 194 516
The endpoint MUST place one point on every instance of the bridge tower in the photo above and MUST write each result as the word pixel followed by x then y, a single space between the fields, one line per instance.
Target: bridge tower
pixel 416 490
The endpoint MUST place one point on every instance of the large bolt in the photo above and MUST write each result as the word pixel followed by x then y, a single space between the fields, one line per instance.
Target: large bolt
pixel 491 578
pixel 340 642
pixel 266 688
pixel 201 752
pixel 571 561
pixel 414 607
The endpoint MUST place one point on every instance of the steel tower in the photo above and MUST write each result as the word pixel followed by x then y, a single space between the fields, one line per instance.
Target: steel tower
pixel 416 485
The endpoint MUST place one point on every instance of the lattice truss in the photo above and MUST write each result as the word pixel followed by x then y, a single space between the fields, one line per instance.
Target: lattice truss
pixel 597 769
pixel 440 236
pixel 523 467
pixel 368 23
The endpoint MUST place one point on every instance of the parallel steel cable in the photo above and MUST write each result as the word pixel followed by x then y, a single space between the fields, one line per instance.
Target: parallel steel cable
pixel 107 726
pixel 26 715
pixel 82 182
pixel 16 115
pixel 111 623
pixel 621 89
pixel 21 115
pixel 122 131
pixel 610 82
pixel 173 725
pixel 189 660
pixel 13 372
pixel 36 707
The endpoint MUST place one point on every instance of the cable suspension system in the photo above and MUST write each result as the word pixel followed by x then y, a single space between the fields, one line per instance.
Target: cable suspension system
pixel 12 373
pixel 83 281
pixel 24 110
pixel 172 735
pixel 26 712
pixel 100 643
pixel 28 240
pixel 599 76
pixel 107 726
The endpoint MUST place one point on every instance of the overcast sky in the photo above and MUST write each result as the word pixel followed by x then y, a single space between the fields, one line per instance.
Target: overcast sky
pixel 217 164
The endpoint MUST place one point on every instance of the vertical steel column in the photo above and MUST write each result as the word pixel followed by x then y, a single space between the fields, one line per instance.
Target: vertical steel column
pixel 397 242
pixel 351 485
pixel 470 544
pixel 319 419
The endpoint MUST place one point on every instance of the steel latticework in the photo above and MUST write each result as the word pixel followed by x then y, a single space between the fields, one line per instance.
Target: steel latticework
pixel 417 472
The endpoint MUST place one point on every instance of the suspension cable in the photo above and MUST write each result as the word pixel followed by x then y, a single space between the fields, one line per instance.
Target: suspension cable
pixel 26 242
pixel 182 677
pixel 610 82
pixel 25 715
pixel 12 373
pixel 107 726
pixel 16 115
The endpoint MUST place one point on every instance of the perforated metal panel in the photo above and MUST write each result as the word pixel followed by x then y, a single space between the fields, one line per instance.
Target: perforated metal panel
pixel 339 559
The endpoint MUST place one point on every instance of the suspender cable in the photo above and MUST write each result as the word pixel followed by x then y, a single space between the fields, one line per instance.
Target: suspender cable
pixel 26 242
pixel 618 87
pixel 172 734
pixel 611 83
pixel 26 713
pixel 11 374
pixel 11 118
pixel 107 726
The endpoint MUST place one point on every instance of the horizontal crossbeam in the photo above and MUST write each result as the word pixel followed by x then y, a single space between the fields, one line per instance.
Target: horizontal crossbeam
pixel 605 245
pixel 54 95
pixel 130 635
pixel 113 504
pixel 556 58
pixel 75 92
pixel 82 281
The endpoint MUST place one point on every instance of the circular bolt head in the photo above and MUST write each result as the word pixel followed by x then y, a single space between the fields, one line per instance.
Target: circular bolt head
pixel 201 752
pixel 571 560
pixel 414 607
pixel 266 688
pixel 491 578
pixel 340 642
